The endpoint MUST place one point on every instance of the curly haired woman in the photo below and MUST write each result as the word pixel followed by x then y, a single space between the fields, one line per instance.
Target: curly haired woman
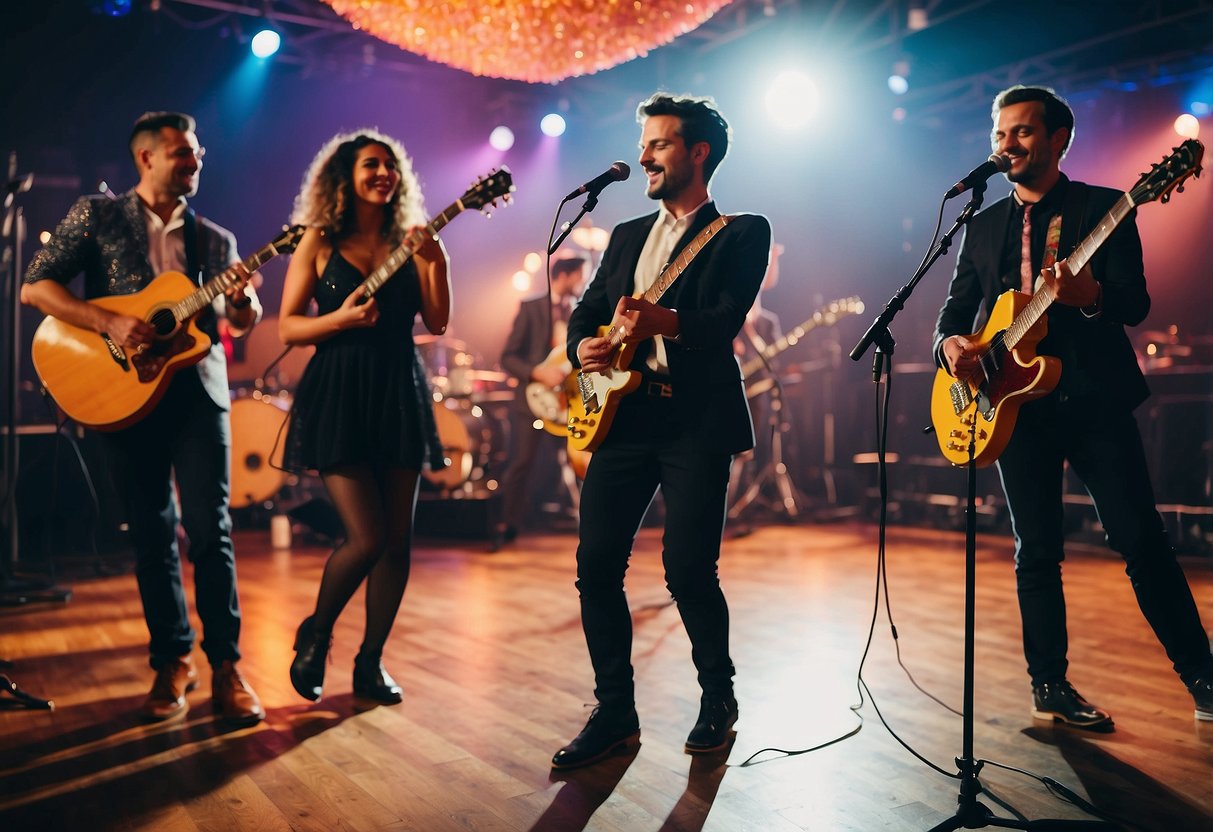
pixel 362 415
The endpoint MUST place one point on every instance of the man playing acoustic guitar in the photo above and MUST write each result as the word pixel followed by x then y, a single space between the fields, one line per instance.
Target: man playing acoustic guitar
pixel 679 427
pixel 121 245
pixel 1087 419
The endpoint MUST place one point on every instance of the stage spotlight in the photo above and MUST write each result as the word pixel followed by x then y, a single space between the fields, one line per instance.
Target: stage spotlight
pixel 521 281
pixel 502 138
pixel 266 43
pixel 899 114
pixel 1200 108
pixel 532 262
pixel 552 125
pixel 1187 126
pixel 110 8
pixel 791 99
pixel 898 84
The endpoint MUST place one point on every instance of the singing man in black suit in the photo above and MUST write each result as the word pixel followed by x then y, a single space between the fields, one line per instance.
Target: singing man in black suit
pixel 539 328
pixel 1087 420
pixel 678 431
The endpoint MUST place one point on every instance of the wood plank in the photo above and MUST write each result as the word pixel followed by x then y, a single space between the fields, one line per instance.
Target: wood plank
pixel 491 656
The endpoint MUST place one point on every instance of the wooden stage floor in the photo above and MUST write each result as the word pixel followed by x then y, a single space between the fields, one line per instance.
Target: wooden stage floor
pixel 490 652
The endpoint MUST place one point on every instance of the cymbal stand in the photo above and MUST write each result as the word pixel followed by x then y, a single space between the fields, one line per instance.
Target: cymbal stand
pixel 775 469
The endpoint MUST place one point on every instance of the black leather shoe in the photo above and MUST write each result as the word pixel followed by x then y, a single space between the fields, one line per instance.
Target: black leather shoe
pixel 717 714
pixel 372 682
pixel 605 732
pixel 1058 701
pixel 311 653
pixel 1202 692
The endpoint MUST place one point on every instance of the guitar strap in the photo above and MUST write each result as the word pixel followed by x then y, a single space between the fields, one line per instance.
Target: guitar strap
pixel 193 245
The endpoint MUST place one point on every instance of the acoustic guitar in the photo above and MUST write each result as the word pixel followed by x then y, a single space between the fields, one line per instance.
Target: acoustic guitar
pixel 101 385
pixel 983 411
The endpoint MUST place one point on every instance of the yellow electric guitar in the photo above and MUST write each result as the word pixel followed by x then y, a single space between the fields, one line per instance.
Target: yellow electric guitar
pixel 984 410
pixel 598 395
pixel 101 385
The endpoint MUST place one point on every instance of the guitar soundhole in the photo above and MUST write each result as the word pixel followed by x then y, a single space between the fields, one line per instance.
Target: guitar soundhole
pixel 164 322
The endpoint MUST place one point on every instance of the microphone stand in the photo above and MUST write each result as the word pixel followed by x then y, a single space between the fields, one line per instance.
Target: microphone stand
pixel 970 813
pixel 591 202
pixel 13 592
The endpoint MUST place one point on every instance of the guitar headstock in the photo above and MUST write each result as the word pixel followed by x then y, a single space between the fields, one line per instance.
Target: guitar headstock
pixel 285 242
pixel 1169 174
pixel 498 184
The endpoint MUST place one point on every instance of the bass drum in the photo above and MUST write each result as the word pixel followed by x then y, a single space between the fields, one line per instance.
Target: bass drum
pixel 258 432
pixel 466 434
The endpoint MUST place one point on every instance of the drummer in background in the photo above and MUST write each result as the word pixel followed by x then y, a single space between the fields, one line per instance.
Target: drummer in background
pixel 534 354
pixel 363 414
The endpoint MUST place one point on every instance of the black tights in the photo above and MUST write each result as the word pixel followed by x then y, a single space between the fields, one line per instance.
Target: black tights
pixel 377 510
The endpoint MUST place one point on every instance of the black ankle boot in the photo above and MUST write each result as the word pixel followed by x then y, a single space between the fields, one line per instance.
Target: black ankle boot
pixel 372 682
pixel 311 653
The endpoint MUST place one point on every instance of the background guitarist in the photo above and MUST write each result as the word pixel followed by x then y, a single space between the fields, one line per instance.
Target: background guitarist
pixel 539 329
pixel 121 245
pixel 678 431
pixel 1087 420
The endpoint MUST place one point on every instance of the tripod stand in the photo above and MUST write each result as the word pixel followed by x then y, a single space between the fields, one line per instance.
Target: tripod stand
pixel 775 470
pixel 970 813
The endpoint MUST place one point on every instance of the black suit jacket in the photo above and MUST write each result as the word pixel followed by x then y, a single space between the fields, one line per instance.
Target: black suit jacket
pixel 529 342
pixel 712 297
pixel 1097 359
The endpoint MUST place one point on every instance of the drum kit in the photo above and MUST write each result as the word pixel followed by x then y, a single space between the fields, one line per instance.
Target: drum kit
pixel 470 411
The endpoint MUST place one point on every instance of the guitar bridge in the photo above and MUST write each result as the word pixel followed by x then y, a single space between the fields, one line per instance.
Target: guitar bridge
pixel 589 399
pixel 961 396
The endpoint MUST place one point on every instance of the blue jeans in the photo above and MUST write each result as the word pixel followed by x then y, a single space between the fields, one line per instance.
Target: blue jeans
pixel 186 439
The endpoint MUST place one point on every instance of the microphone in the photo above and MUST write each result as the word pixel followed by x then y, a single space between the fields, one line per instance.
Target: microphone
pixel 995 164
pixel 617 172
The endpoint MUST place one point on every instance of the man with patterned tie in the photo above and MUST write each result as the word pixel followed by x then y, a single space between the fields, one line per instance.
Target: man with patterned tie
pixel 1087 420
pixel 537 335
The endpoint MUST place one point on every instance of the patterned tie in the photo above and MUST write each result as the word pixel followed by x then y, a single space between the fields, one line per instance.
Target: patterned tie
pixel 1026 278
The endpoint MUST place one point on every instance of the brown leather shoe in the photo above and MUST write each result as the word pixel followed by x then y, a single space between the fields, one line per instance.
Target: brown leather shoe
pixel 166 700
pixel 235 702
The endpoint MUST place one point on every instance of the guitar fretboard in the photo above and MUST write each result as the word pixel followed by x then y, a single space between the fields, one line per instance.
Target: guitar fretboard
pixel 230 278
pixel 675 269
pixel 1077 261
pixel 400 256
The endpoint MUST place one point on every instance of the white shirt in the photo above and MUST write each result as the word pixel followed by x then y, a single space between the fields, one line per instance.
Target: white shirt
pixel 166 241
pixel 655 255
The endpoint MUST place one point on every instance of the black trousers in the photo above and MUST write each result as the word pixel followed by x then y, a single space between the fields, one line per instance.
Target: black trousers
pixel 186 439
pixel 1103 446
pixel 644 451
pixel 525 444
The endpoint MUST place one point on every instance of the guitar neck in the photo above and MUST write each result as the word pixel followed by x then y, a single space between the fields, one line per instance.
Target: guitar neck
pixel 229 278
pixel 776 347
pixel 674 270
pixel 1076 262
pixel 400 256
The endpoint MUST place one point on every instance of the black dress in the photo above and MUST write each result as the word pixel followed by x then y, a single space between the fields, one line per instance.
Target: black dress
pixel 364 398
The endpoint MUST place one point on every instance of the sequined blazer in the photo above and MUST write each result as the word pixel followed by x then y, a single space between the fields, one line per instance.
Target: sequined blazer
pixel 106 239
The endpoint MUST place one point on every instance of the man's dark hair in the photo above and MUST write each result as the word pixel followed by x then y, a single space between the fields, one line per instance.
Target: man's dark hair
pixel 152 123
pixel 701 122
pixel 568 264
pixel 1057 112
